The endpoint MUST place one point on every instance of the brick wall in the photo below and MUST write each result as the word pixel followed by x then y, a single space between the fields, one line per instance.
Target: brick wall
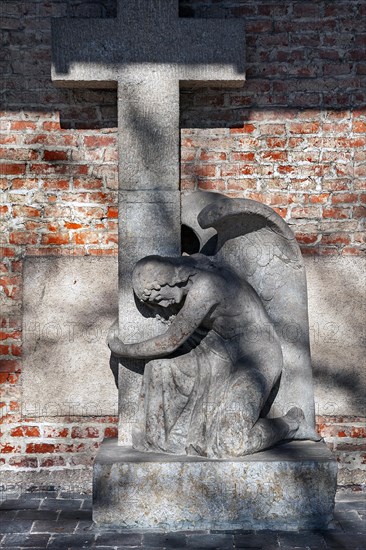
pixel 294 137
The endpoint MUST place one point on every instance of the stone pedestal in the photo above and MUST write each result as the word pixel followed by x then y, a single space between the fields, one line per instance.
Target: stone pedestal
pixel 291 486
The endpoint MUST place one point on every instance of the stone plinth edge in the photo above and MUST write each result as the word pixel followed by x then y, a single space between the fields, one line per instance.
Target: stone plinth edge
pixel 289 487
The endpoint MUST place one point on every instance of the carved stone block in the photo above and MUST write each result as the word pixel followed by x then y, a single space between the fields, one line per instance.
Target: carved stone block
pixel 291 486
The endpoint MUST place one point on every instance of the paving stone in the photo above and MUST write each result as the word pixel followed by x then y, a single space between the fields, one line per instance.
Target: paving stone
pixel 16 523
pixel 304 539
pixel 349 541
pixel 119 539
pixel 167 540
pixel 87 505
pixel 61 526
pixel 17 504
pixel 346 515
pixel 84 525
pixel 21 526
pixel 229 532
pixel 72 494
pixel 61 504
pixel 26 541
pixel 254 539
pixel 37 514
pixel 81 515
pixel 30 495
pixel 67 541
pixel 210 541
pixel 8 514
pixel 354 526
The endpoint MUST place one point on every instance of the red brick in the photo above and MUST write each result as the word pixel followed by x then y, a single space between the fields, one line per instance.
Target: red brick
pixel 9 378
pixel 228 170
pixel 52 461
pixel 86 237
pixel 88 183
pixel 359 212
pixel 304 128
pixel 16 351
pixel 12 169
pixel 27 211
pixel 57 211
pixel 43 168
pixel 112 212
pixel 52 432
pixel 18 154
pixel 51 126
pixel 40 448
pixel 6 252
pixel 274 155
pixel 245 157
pixel 24 183
pixel 217 185
pixel 54 155
pixel 4 350
pixel 358 432
pixel 111 432
pixel 306 212
pixel 6 448
pixel 56 239
pixel 352 251
pixel 211 156
pixel 23 462
pixel 337 213
pixel 22 237
pixel 9 365
pixel 245 129
pixel 339 198
pixel 99 141
pixel 8 334
pixel 73 225
pixel 25 431
pixel 322 198
pixel 6 139
pixel 286 169
pixel 208 171
pixel 100 197
pixel 281 212
pixel 359 127
pixel 56 185
pixel 23 125
pixel 82 433
pixel 336 238
pixel 273 143
pixel 306 238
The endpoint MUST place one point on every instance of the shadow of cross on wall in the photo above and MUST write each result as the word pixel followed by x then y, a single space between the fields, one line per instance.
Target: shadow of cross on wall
pixel 147 52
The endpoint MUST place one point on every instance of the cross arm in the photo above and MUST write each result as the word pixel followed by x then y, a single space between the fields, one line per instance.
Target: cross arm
pixel 213 54
pixel 83 54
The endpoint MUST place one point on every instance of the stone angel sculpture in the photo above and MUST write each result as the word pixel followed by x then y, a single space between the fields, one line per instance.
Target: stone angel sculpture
pixel 231 375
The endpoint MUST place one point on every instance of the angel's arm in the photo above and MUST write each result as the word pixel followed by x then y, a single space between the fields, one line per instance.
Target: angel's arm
pixel 196 307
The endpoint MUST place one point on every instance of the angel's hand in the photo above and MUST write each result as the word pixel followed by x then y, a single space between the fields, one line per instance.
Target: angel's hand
pixel 115 344
pixel 117 347
pixel 113 331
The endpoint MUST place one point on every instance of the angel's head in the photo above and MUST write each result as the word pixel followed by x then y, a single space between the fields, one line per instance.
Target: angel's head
pixel 161 280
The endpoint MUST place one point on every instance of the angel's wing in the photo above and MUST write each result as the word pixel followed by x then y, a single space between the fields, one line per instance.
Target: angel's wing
pixel 256 242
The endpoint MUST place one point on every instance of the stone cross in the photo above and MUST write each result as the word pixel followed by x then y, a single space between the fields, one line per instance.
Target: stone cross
pixel 147 52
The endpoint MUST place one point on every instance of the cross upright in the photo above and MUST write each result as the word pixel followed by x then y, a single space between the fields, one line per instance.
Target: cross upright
pixel 147 52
